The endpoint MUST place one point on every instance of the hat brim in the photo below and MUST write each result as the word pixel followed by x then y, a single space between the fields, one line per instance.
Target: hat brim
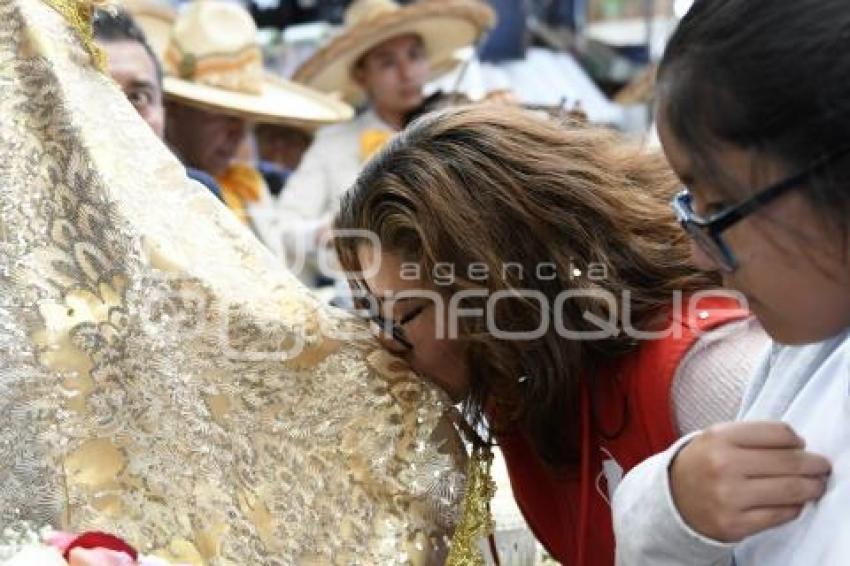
pixel 155 18
pixel 280 102
pixel 444 27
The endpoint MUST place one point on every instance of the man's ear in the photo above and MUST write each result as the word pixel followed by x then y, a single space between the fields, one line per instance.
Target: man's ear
pixel 358 73
pixel 172 109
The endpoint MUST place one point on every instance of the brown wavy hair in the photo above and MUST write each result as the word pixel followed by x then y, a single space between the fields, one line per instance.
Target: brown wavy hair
pixel 498 185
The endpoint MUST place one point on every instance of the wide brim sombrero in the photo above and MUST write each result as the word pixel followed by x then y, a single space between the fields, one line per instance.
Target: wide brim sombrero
pixel 213 61
pixel 155 17
pixel 279 102
pixel 445 26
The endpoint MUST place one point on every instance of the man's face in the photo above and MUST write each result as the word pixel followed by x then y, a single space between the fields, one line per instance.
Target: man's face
pixel 282 145
pixel 394 73
pixel 132 68
pixel 204 140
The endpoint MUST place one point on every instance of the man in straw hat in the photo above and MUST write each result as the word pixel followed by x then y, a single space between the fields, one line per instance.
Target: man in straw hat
pixel 215 86
pixel 134 65
pixel 163 378
pixel 383 58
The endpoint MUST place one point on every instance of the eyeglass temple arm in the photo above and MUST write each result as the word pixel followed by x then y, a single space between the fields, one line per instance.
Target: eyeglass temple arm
pixel 759 200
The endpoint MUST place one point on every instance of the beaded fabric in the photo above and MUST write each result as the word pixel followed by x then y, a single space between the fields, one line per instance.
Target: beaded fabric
pixel 161 377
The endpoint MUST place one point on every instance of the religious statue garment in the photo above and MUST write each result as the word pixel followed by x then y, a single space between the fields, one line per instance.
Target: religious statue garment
pixel 161 377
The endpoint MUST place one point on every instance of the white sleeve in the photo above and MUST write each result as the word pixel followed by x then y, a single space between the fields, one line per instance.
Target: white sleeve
pixel 648 528
pixel 307 191
pixel 710 380
pixel 262 215
pixel 303 208
pixel 707 389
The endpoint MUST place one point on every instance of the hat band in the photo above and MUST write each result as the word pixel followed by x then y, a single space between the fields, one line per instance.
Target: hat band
pixel 241 71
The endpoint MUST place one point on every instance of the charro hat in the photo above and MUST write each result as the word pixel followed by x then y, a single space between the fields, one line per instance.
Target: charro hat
pixel 214 62
pixel 155 18
pixel 444 26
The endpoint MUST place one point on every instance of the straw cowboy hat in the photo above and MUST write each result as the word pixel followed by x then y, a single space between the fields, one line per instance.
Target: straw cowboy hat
pixel 155 17
pixel 214 62
pixel 444 25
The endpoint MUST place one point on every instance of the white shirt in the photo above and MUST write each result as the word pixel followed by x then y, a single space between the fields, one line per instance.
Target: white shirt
pixel 329 167
pixel 311 195
pixel 809 388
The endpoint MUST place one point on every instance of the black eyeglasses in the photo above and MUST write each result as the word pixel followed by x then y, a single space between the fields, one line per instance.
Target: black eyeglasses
pixel 389 327
pixel 708 232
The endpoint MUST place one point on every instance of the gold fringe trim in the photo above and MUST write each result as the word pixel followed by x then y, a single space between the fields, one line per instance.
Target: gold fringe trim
pixel 79 14
pixel 476 522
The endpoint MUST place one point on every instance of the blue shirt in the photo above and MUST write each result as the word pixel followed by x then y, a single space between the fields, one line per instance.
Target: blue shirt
pixel 206 180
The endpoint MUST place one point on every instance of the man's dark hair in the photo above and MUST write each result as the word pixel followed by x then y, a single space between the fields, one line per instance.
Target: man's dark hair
pixel 118 25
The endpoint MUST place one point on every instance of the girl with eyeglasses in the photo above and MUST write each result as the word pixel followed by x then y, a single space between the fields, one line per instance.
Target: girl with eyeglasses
pixel 754 117
pixel 534 271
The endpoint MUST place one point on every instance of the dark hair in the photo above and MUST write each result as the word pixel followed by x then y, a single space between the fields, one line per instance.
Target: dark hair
pixel 290 134
pixel 768 76
pixel 496 185
pixel 116 25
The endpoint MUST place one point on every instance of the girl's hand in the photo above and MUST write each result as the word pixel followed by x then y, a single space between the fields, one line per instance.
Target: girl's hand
pixel 86 556
pixel 99 557
pixel 737 479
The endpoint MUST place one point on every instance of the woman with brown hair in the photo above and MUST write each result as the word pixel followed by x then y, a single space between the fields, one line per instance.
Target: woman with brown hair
pixel 534 272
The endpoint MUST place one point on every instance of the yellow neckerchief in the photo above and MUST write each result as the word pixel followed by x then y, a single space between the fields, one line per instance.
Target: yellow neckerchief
pixel 372 141
pixel 240 186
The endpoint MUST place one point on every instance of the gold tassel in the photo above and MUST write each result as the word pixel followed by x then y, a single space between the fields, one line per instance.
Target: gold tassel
pixel 476 522
pixel 79 14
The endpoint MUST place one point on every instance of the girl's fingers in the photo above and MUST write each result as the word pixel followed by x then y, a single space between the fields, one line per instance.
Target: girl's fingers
pixel 60 540
pixel 764 518
pixel 782 491
pixel 98 557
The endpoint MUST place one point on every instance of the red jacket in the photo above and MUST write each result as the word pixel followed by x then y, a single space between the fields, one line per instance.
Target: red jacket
pixel 569 511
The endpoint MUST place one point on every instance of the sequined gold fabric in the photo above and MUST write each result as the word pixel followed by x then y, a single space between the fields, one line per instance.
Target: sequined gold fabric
pixel 161 377
pixel 476 522
pixel 78 13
